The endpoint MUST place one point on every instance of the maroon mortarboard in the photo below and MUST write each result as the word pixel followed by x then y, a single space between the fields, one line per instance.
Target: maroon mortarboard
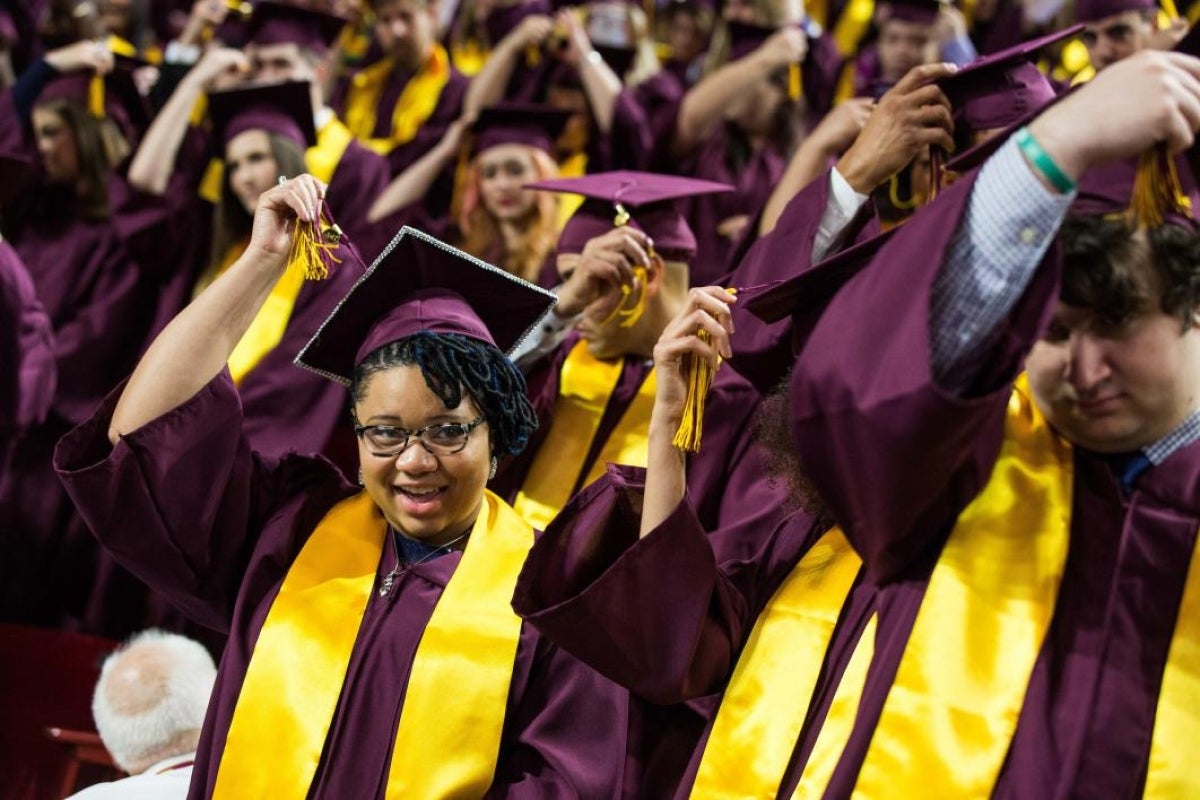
pixel 999 89
pixel 920 12
pixel 530 124
pixel 421 284
pixel 282 108
pixel 503 20
pixel 283 23
pixel 1089 11
pixel 812 289
pixel 643 200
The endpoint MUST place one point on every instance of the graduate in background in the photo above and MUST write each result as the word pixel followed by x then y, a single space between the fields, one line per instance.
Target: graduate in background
pixel 495 218
pixel 378 603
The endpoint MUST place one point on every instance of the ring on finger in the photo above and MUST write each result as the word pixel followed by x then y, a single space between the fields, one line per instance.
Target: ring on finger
pixel 283 180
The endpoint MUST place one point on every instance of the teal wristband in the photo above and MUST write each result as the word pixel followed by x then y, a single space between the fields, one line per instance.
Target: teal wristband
pixel 1044 164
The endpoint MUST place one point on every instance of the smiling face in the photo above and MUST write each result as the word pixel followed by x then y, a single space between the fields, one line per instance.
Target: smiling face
pixel 431 498
pixel 502 172
pixel 250 167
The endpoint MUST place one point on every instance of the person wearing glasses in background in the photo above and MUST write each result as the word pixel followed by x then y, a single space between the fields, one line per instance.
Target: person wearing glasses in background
pixel 384 606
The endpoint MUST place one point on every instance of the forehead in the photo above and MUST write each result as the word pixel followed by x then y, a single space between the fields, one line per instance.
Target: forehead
pixel 401 393
pixel 280 51
pixel 1124 19
pixel 44 115
pixel 391 8
pixel 504 152
pixel 255 141
pixel 902 28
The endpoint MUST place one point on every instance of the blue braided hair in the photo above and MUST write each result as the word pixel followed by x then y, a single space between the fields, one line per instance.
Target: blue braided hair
pixel 452 364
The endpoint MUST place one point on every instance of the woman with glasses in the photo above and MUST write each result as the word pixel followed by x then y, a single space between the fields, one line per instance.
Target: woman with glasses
pixel 373 651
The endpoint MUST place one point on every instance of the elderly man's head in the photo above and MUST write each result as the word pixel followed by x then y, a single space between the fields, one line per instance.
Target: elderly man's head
pixel 151 698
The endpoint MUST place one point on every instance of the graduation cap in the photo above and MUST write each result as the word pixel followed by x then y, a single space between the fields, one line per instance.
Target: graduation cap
pixel 1095 10
pixel 999 89
pixel 419 283
pixel 529 124
pixel 812 289
pixel 643 200
pixel 919 12
pixel 283 23
pixel 282 108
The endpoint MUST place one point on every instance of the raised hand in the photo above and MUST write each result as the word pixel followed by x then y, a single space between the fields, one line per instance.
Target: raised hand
pixel 279 208
pixel 605 265
pixel 1158 95
pixel 707 309
pixel 913 115
pixel 82 55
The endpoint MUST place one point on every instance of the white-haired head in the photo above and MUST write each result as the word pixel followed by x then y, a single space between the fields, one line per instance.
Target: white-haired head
pixel 151 698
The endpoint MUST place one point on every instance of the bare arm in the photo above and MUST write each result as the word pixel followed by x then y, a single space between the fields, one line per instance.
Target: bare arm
pixel 410 186
pixel 487 87
pixel 152 165
pixel 600 84
pixel 194 348
pixel 707 308
pixel 704 106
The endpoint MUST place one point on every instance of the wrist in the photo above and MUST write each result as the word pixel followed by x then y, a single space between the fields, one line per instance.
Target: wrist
pixel 1057 166
pixel 857 172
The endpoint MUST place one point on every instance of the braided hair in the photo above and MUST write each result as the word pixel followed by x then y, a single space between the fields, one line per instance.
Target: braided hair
pixel 452 364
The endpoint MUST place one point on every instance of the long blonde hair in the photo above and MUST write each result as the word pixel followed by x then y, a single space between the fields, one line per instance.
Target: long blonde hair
pixel 481 235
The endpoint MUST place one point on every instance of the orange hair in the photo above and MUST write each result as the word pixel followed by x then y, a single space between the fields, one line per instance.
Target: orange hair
pixel 480 231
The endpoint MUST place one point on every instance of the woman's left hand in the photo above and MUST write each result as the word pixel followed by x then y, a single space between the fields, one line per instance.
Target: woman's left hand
pixel 707 309
pixel 278 210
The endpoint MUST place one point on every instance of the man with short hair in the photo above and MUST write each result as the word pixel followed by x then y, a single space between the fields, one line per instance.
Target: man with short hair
pixel 149 706
pixel 402 104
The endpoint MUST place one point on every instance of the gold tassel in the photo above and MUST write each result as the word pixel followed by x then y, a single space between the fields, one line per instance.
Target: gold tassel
pixel 533 56
pixel 96 96
pixel 313 246
pixel 936 160
pixel 795 89
pixel 699 380
pixel 1157 191
pixel 629 316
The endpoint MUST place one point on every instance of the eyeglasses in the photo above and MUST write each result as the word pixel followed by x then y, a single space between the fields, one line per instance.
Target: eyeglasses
pixel 439 440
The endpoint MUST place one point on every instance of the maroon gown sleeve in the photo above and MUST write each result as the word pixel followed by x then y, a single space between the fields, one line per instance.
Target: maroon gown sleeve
pixel 893 455
pixel 565 735
pixel 180 501
pixel 664 615
pixel 26 349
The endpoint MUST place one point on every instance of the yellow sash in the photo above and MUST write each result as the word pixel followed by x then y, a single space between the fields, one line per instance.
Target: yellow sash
pixel 573 167
pixel 839 721
pixel 415 105
pixel 322 159
pixel 953 707
pixel 993 589
pixel 294 679
pixel 585 386
pixel 269 324
pixel 1171 773
pixel 768 696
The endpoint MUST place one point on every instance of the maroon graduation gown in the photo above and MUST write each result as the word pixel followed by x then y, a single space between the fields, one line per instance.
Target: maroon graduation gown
pixel 192 510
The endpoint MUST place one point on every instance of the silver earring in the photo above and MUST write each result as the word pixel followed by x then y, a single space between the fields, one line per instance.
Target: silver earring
pixel 492 471
pixel 360 478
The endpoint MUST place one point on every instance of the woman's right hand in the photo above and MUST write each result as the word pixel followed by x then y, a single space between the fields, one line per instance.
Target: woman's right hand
pixel 278 210
pixel 707 309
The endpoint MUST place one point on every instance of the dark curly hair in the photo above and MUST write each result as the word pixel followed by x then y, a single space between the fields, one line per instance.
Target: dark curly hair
pixel 451 365
pixel 1105 260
